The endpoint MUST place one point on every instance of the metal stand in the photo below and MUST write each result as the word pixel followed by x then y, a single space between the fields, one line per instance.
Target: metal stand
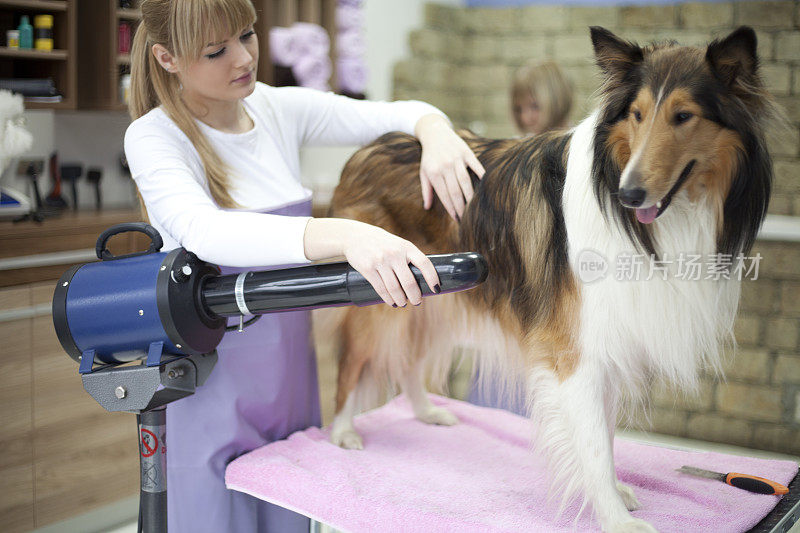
pixel 145 390
pixel 153 463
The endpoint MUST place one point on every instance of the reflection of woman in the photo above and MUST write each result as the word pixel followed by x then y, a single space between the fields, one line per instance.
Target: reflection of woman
pixel 215 158
pixel 541 98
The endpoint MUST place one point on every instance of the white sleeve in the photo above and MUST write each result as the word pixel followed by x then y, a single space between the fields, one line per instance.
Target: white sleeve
pixel 178 202
pixel 321 118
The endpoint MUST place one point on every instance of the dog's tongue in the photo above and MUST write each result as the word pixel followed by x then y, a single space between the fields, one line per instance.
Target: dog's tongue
pixel 646 216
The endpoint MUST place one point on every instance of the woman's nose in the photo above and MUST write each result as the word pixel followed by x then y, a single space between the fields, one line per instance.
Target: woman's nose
pixel 242 55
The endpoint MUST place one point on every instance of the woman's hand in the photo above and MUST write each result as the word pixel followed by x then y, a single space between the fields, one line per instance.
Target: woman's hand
pixel 445 159
pixel 382 258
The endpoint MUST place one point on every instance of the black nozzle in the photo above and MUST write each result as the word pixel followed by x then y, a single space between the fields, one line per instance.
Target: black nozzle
pixel 327 285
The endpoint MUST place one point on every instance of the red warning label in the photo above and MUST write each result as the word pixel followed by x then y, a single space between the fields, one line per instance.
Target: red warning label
pixel 149 443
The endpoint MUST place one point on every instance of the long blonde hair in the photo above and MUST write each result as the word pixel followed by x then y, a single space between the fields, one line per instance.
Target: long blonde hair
pixel 552 90
pixel 183 27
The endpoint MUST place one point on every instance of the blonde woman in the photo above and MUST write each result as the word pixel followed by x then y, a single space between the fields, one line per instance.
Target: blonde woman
pixel 215 158
pixel 541 98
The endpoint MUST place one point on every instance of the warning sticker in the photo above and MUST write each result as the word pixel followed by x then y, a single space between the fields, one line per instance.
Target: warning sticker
pixel 153 448
pixel 149 443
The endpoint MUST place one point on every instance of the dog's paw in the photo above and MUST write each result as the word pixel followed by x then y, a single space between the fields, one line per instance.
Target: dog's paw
pixel 439 416
pixel 348 439
pixel 628 496
pixel 632 525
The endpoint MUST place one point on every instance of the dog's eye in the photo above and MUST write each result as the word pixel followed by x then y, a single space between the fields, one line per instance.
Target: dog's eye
pixel 637 115
pixel 682 117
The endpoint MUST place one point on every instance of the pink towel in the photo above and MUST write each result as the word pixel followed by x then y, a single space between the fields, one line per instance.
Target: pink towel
pixel 480 475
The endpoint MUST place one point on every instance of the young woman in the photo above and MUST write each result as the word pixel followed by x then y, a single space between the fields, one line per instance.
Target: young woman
pixel 215 158
pixel 541 98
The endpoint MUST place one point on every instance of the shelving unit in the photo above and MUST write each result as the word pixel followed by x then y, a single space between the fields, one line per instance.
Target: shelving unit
pixel 102 66
pixel 53 55
pixel 60 64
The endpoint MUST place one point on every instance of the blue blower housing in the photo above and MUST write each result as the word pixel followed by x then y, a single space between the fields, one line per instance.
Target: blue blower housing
pixel 126 308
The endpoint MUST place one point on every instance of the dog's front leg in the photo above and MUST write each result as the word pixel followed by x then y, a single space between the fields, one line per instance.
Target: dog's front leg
pixel 413 384
pixel 611 410
pixel 573 433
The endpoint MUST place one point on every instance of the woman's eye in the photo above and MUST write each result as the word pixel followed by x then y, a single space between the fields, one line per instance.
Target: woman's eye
pixel 637 115
pixel 247 36
pixel 215 54
pixel 682 117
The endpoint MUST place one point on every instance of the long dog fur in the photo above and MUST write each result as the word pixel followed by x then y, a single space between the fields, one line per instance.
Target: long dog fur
pixel 547 205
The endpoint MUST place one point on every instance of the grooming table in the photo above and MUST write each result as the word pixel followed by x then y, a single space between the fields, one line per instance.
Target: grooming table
pixel 481 475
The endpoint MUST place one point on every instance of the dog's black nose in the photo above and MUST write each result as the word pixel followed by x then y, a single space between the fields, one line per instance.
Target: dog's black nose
pixel 632 197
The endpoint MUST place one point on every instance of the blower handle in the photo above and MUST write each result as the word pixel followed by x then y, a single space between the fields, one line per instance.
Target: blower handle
pixel 105 254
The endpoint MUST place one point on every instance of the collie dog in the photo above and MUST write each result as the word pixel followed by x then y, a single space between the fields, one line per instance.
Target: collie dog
pixel 673 165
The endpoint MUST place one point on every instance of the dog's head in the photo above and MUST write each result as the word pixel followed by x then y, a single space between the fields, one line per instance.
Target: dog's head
pixel 683 122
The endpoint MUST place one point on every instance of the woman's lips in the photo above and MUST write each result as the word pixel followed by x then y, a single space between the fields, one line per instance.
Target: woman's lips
pixel 244 79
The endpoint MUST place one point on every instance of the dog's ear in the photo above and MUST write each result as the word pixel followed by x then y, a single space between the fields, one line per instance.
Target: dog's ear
pixel 615 56
pixel 733 59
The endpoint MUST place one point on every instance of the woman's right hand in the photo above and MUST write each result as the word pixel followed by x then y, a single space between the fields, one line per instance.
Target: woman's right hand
pixel 381 257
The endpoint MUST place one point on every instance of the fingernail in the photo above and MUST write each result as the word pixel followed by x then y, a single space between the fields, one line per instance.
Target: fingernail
pixel 437 289
pixel 394 305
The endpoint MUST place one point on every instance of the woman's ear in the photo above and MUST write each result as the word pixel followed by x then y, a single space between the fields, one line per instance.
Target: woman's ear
pixel 164 58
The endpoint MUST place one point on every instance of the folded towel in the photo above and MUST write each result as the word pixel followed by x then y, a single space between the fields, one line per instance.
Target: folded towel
pixel 351 75
pixel 481 475
pixel 313 71
pixel 350 44
pixel 349 17
pixel 288 45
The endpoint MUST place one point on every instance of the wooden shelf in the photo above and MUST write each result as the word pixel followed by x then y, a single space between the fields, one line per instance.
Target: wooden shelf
pixel 36 5
pixel 101 66
pixel 60 64
pixel 129 14
pixel 26 53
pixel 63 104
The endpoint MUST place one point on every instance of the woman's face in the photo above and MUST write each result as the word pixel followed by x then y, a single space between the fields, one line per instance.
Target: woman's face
pixel 527 114
pixel 225 70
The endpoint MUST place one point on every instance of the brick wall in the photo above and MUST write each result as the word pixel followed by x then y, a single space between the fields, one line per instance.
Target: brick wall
pixel 462 61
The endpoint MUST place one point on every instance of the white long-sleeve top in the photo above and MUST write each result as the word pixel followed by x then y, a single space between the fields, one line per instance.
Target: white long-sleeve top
pixel 265 170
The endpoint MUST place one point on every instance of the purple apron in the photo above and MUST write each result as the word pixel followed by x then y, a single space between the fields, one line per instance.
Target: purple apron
pixel 263 388
pixel 488 395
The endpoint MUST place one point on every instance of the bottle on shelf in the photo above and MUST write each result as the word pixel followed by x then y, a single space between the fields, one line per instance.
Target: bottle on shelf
pixel 124 88
pixel 124 38
pixel 12 39
pixel 44 32
pixel 25 32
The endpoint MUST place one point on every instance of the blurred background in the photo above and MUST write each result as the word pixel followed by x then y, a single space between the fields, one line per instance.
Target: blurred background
pixel 63 456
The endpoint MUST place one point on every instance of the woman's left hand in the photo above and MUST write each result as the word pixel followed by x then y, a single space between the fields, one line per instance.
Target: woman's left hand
pixel 445 160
